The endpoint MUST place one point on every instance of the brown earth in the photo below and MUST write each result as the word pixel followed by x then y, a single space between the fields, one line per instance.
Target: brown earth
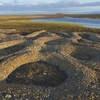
pixel 49 66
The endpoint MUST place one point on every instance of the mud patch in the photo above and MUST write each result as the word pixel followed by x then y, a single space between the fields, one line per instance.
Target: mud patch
pixel 1 60
pixel 37 73
pixel 25 33
pixel 13 49
pixel 82 56
pixel 85 36
pixel 60 41
pixel 82 53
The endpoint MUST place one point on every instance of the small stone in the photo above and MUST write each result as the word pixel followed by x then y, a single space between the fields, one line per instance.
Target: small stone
pixel 8 96
pixel 44 73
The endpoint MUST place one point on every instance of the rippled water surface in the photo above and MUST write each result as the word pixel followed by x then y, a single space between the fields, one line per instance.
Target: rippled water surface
pixel 87 22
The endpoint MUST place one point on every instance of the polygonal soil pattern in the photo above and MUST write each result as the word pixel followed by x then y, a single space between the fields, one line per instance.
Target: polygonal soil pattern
pixel 37 73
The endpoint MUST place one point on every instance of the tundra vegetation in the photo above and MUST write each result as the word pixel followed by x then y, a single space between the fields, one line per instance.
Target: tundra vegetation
pixel 23 23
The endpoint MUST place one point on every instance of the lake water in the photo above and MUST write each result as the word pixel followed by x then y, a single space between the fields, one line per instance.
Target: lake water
pixel 87 22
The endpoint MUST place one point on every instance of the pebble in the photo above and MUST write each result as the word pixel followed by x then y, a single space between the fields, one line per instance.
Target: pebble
pixel 8 96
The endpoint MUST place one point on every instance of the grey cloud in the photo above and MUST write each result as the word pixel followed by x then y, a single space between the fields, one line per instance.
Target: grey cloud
pixel 74 6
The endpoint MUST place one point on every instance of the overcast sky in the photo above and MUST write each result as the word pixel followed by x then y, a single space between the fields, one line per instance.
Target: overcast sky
pixel 46 0
pixel 49 6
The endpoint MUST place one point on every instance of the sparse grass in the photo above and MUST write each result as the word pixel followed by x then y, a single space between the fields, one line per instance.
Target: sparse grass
pixel 26 25
pixel 17 17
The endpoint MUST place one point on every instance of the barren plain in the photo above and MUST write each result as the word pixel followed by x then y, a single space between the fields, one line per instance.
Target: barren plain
pixel 44 65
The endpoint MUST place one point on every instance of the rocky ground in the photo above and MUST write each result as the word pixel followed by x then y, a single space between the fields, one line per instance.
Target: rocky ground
pixel 49 65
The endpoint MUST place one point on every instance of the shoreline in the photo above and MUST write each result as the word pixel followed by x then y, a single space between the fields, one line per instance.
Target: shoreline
pixel 35 16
